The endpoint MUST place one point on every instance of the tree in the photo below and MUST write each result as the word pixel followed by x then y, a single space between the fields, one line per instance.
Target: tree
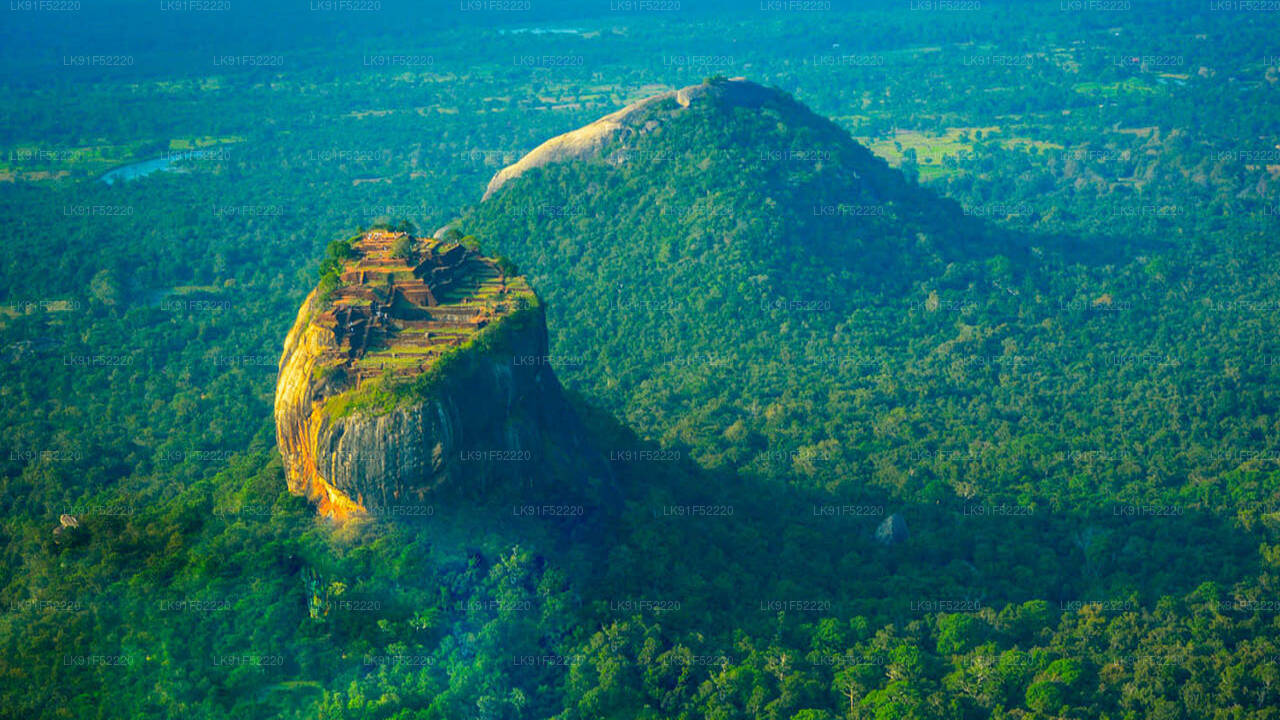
pixel 104 288
pixel 506 266
pixel 402 248
pixel 958 633
pixel 1045 697
pixel 852 682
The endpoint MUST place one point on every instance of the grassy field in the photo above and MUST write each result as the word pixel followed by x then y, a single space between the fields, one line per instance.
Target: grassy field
pixel 1113 89
pixel 931 151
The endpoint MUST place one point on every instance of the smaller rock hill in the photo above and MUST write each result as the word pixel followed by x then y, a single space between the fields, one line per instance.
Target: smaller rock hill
pixel 417 371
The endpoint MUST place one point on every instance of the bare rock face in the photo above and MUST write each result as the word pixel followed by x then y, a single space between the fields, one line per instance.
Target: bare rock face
pixel 640 117
pixel 408 385
pixel 892 531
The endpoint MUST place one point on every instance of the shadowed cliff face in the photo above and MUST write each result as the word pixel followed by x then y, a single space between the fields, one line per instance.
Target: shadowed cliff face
pixel 481 417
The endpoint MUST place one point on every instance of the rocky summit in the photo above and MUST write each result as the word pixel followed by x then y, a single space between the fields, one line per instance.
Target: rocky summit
pixel 615 131
pixel 418 369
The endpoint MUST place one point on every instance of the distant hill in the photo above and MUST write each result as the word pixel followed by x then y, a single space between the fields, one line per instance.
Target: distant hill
pixel 709 251
pixel 739 174
pixel 738 275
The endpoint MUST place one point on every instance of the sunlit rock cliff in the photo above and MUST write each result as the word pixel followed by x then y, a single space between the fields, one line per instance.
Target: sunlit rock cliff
pixel 416 372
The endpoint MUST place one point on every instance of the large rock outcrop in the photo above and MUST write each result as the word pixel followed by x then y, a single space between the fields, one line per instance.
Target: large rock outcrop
pixel 892 531
pixel 638 118
pixel 422 379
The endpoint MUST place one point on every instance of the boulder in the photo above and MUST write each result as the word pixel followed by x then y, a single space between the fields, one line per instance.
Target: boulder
pixel 892 531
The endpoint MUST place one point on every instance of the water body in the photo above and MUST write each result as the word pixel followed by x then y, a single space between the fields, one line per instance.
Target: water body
pixel 164 163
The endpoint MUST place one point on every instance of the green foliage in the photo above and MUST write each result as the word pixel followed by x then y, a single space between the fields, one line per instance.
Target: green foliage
pixel 402 248
pixel 507 266
pixel 1045 697
pixel 336 254
pixel 786 380
pixel 329 282
pixel 957 634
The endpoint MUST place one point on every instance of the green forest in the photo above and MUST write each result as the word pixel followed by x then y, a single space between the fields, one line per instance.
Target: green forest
pixel 1008 274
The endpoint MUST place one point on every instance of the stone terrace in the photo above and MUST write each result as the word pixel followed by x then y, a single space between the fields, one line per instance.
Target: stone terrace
pixel 395 315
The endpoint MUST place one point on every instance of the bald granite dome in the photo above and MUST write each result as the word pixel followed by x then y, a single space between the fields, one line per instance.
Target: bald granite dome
pixel 638 118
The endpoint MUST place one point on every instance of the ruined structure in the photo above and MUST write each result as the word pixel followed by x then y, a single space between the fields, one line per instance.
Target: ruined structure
pixel 371 419
pixel 395 315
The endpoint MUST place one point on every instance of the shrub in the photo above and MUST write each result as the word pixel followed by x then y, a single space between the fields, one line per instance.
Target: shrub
pixel 402 248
